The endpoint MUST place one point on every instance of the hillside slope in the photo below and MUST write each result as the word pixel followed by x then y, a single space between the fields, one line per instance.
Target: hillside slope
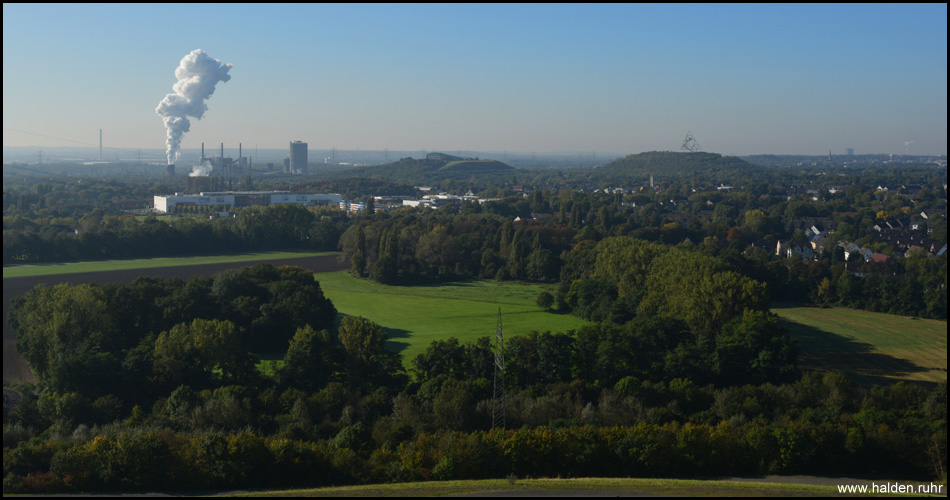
pixel 428 171
pixel 473 166
pixel 666 165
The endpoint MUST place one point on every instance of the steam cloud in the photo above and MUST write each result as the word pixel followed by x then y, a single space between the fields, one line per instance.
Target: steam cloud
pixel 202 170
pixel 197 76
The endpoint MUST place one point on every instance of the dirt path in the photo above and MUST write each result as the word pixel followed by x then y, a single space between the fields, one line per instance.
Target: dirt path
pixel 15 368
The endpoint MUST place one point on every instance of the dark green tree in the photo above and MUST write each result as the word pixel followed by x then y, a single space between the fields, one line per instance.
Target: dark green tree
pixel 359 256
pixel 311 360
pixel 754 349
pixel 367 362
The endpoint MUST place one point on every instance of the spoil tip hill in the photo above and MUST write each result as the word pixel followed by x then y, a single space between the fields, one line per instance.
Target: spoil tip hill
pixel 667 166
pixel 427 171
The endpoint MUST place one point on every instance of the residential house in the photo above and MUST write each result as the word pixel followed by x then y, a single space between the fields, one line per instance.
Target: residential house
pixel 788 249
pixel 852 249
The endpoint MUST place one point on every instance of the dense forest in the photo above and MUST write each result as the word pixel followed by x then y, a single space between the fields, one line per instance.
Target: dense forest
pixel 663 394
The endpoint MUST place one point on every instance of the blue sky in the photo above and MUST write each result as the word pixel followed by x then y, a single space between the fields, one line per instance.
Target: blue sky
pixel 743 79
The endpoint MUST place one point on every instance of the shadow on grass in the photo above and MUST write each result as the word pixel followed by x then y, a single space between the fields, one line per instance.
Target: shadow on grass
pixel 824 350
pixel 396 333
pixel 431 283
pixel 391 333
pixel 396 347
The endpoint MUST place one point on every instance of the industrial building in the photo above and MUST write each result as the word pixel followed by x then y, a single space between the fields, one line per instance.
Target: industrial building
pixel 352 206
pixel 440 200
pixel 226 166
pixel 238 199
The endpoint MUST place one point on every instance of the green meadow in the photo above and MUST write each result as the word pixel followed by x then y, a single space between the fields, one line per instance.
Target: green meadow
pixel 127 264
pixel 868 346
pixel 416 315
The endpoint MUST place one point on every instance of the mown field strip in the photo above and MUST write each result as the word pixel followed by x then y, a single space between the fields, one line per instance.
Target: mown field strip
pixel 121 265
pixel 585 487
pixel 891 334
pixel 417 315
pixel 872 346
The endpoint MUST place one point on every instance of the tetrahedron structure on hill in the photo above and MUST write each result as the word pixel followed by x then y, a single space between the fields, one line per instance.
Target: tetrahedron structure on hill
pixel 690 144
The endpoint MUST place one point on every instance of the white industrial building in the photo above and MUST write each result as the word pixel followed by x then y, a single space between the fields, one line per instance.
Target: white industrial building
pixel 439 200
pixel 236 199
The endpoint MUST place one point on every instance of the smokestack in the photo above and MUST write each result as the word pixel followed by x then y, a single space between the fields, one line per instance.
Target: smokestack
pixel 202 152
pixel 239 152
pixel 222 151
pixel 100 144
pixel 197 76
pixel 170 170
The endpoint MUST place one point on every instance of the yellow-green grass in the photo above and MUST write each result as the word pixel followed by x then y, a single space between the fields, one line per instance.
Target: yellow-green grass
pixel 772 486
pixel 416 315
pixel 126 264
pixel 870 347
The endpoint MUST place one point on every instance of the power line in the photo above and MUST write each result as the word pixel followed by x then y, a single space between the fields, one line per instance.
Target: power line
pixel 76 142
pixel 14 166
pixel 498 398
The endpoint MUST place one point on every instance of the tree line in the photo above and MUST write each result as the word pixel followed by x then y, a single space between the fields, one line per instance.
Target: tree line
pixel 103 237
pixel 408 247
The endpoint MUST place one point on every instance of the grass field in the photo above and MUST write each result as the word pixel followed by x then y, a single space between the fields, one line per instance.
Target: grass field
pixel 118 265
pixel 870 347
pixel 769 486
pixel 416 315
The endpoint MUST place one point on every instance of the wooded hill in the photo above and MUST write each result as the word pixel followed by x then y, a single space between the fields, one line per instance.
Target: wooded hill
pixel 664 166
pixel 471 166
pixel 667 165
pixel 419 171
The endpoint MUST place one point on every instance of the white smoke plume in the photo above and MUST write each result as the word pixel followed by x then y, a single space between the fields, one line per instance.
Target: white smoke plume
pixel 202 170
pixel 197 76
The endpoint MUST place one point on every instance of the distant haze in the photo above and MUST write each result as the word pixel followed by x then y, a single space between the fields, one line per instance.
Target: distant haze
pixel 567 78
